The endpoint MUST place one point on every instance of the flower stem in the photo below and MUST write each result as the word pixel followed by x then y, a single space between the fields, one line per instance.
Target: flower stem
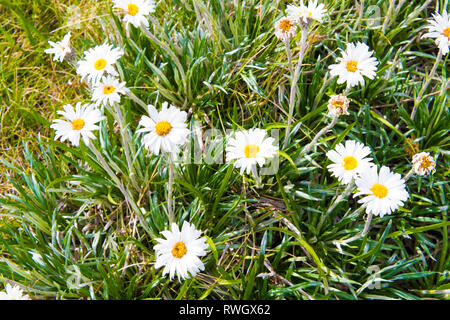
pixel 257 177
pixel 338 243
pixel 168 51
pixel 126 141
pixel 294 79
pixel 425 85
pixel 169 191
pixel 122 188
pixel 321 132
pixel 343 195
pixel 137 100
pixel 408 175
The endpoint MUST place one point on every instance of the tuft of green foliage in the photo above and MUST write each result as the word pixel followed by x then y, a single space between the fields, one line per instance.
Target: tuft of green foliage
pixel 68 232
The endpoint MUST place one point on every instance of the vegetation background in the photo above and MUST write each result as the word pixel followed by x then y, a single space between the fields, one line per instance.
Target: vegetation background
pixel 67 233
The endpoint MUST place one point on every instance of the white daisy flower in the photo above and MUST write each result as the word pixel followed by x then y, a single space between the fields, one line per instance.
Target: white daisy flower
pixel 439 28
pixel 179 253
pixel 79 123
pixel 356 62
pixel 305 14
pixel 60 48
pixel 285 28
pixel 13 293
pixel 108 91
pixel 423 164
pixel 136 11
pixel 166 130
pixel 98 62
pixel 338 105
pixel 249 148
pixel 384 192
pixel 350 160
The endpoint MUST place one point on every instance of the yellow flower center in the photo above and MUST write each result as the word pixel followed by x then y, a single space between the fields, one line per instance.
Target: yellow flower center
pixel 108 89
pixel 350 163
pixel 447 32
pixel 352 66
pixel 100 64
pixel 426 163
pixel 285 25
pixel 338 103
pixel 132 9
pixel 251 150
pixel 379 190
pixel 77 124
pixel 163 128
pixel 179 250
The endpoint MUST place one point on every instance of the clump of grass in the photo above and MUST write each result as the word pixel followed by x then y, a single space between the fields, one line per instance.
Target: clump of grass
pixel 69 232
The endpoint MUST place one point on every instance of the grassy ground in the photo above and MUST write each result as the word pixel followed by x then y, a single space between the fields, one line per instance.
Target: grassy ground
pixel 64 207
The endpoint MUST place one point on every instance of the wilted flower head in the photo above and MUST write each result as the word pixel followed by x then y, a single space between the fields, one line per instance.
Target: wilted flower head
pixel 439 29
pixel 423 164
pixel 338 105
pixel 285 28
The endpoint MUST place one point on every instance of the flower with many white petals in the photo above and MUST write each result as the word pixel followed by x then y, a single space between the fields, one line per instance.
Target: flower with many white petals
pixel 383 192
pixel 423 164
pixel 305 14
pixel 136 11
pixel 108 91
pixel 249 148
pixel 338 105
pixel 78 123
pixel 439 29
pixel 13 293
pixel 60 48
pixel 165 130
pixel 285 28
pixel 355 64
pixel 98 62
pixel 179 252
pixel 349 160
